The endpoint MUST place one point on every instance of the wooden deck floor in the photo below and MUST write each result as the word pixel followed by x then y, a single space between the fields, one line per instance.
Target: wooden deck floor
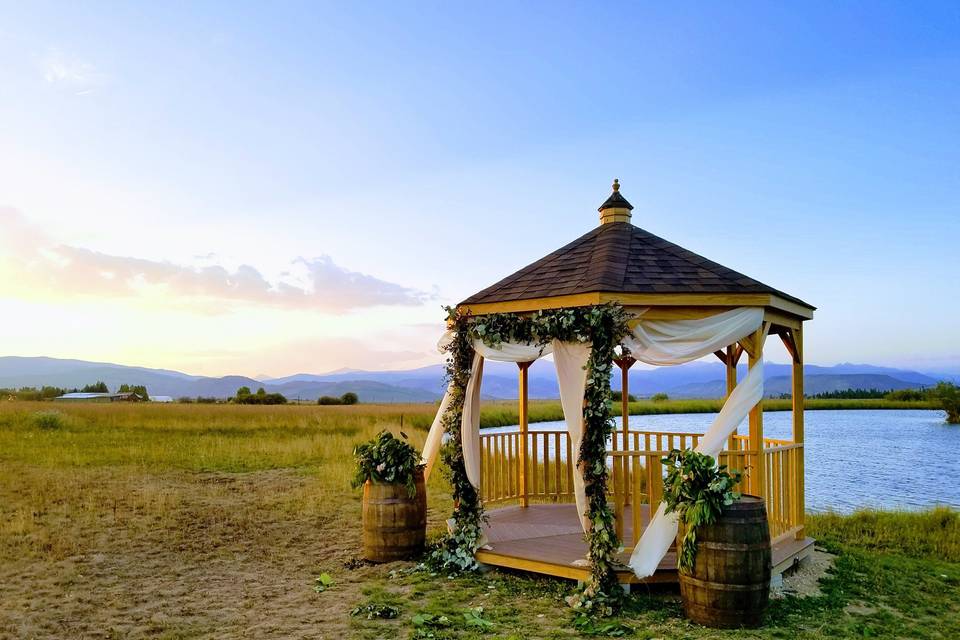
pixel 547 538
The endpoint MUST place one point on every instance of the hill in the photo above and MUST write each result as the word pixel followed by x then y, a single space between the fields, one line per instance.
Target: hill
pixel 694 380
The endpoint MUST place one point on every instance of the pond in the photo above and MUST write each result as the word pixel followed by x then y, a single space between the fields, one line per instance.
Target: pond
pixel 906 459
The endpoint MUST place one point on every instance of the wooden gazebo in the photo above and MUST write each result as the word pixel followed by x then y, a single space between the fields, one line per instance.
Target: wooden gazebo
pixel 527 476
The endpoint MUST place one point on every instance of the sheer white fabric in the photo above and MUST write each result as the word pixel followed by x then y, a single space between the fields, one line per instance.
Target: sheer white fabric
pixel 670 342
pixel 435 437
pixel 470 422
pixel 571 359
pixel 662 530
pixel 512 351
pixel 667 342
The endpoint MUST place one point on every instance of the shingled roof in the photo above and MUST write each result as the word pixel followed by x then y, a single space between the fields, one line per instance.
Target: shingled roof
pixel 618 257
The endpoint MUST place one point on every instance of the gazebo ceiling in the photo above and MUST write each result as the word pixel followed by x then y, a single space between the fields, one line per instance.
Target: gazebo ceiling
pixel 618 261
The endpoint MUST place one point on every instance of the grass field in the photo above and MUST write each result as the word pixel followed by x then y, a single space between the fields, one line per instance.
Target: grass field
pixel 209 521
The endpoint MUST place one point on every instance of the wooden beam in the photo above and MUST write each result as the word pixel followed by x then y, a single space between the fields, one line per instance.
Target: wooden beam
pixel 524 420
pixel 723 357
pixel 790 343
pixel 798 404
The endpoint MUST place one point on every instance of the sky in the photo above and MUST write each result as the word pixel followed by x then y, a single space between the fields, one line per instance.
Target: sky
pixel 272 188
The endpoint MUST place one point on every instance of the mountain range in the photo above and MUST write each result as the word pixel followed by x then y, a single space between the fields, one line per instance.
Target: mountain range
pixel 694 380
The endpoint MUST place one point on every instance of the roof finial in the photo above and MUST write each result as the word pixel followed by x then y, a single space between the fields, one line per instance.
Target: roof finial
pixel 616 208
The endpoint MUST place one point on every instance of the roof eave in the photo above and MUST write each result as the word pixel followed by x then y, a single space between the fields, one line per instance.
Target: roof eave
pixel 802 311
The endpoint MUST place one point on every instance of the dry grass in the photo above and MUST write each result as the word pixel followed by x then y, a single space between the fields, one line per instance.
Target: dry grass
pixel 182 520
pixel 198 521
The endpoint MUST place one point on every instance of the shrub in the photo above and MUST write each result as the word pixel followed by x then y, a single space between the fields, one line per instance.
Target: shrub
pixel 660 397
pixel 348 398
pixel 617 396
pixel 48 420
pixel 949 396
pixel 906 394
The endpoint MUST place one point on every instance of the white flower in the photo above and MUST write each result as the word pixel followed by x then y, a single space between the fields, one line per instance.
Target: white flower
pixel 677 464
pixel 381 467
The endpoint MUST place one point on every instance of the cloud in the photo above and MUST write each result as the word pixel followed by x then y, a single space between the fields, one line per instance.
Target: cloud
pixel 67 71
pixel 310 283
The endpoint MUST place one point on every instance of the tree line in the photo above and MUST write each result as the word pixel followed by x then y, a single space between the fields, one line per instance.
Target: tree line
pixel 51 392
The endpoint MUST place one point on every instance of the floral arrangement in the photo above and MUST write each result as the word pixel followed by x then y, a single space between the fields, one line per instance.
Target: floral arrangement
pixel 387 459
pixel 697 490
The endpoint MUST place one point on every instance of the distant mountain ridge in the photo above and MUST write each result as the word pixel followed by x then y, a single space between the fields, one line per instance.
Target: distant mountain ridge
pixel 425 384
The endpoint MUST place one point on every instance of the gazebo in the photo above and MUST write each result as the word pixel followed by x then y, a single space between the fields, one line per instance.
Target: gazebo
pixel 534 486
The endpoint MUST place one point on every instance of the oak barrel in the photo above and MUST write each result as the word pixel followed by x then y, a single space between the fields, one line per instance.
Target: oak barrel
pixel 394 524
pixel 729 585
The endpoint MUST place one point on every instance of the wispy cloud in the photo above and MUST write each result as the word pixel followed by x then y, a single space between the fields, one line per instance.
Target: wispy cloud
pixel 310 283
pixel 70 72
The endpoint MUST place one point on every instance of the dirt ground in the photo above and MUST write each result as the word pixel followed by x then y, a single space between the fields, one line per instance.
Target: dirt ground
pixel 181 555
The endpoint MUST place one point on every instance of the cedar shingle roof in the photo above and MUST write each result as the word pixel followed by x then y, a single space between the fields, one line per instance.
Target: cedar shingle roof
pixel 618 257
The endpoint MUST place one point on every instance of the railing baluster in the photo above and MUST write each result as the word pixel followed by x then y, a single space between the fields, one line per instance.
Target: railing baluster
pixel 636 504
pixel 557 465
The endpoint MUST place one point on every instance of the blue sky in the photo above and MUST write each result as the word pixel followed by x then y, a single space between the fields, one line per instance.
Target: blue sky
pixel 301 186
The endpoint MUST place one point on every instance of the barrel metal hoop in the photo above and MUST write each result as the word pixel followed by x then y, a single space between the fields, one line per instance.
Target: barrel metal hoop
pixel 734 546
pixel 724 586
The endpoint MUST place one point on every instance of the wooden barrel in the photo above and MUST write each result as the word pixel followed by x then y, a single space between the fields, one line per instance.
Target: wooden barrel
pixel 394 524
pixel 729 585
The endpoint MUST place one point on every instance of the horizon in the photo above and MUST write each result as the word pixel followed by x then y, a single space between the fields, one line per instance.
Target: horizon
pixel 638 367
pixel 243 191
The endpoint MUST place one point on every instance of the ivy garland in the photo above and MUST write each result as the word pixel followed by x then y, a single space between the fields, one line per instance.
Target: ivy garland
pixel 604 327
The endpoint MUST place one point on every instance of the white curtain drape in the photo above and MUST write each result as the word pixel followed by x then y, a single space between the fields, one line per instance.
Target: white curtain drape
pixel 662 530
pixel 571 359
pixel 470 420
pixel 435 437
pixel 670 342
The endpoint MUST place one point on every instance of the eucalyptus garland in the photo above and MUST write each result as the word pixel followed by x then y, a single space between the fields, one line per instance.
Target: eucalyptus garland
pixel 456 551
pixel 603 327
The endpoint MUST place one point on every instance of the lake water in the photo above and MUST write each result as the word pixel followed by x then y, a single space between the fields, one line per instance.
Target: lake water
pixel 906 459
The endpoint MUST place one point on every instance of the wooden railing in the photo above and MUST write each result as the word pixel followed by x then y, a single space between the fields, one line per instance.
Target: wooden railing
pixel 636 474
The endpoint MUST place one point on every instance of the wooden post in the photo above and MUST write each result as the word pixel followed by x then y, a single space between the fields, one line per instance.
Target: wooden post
pixel 731 368
pixel 757 473
pixel 621 465
pixel 524 392
pixel 798 426
pixel 625 364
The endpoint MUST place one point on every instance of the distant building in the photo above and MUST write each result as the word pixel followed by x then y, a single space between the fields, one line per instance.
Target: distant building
pixel 100 397
pixel 161 399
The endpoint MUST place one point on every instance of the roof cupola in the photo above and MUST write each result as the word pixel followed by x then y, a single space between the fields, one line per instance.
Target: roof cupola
pixel 616 208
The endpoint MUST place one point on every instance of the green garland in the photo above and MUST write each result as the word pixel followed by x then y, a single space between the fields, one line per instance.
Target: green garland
pixel 604 327
pixel 456 551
